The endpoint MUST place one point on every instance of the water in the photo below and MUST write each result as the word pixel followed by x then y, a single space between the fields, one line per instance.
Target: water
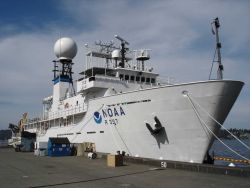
pixel 221 151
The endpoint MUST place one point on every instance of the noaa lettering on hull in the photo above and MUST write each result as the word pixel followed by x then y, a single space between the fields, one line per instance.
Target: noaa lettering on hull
pixel 109 113
pixel 122 105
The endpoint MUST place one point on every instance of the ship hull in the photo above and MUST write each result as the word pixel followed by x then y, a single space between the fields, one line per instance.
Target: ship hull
pixel 118 122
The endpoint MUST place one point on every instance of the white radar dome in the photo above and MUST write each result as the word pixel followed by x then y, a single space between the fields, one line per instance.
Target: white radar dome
pixel 65 48
pixel 116 54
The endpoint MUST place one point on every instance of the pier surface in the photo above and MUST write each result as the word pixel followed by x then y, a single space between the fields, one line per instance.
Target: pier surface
pixel 26 170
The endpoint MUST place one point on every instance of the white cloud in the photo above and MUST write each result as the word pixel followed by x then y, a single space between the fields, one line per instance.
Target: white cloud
pixel 24 74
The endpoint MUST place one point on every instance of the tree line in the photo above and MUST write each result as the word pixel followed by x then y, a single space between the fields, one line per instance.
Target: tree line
pixel 240 133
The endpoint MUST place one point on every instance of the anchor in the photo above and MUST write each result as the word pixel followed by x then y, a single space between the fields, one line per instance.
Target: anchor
pixel 158 127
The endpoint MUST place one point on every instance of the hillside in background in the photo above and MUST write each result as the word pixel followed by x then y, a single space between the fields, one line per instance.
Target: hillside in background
pixel 240 133
pixel 5 134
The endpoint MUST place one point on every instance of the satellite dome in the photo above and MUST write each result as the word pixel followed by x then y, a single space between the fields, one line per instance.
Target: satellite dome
pixel 116 54
pixel 65 48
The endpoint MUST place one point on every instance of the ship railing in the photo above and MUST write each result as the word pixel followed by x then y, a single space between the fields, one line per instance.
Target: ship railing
pixel 139 82
pixel 41 131
pixel 166 80
pixel 116 79
pixel 160 80
pixel 106 78
pixel 34 120
pixel 66 112
pixel 33 124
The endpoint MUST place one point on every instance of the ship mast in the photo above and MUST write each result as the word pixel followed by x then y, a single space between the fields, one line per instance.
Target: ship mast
pixel 65 50
pixel 123 50
pixel 215 29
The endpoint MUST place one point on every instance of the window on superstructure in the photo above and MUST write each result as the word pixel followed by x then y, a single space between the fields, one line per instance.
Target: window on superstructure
pixel 126 77
pixel 76 103
pixel 132 78
pixel 92 79
pixel 137 78
pixel 152 80
pixel 148 80
pixel 121 76
pixel 142 79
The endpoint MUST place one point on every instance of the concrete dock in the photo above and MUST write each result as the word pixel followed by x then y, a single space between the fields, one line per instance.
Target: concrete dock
pixel 26 170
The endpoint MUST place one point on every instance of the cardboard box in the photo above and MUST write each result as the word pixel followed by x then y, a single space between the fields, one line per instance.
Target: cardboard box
pixel 114 160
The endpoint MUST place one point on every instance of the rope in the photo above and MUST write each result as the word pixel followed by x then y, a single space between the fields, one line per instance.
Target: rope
pixel 113 137
pixel 110 128
pixel 221 125
pixel 210 73
pixel 122 140
pixel 116 143
pixel 197 114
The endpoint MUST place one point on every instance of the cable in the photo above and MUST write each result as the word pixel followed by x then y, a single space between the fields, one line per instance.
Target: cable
pixel 123 140
pixel 197 114
pixel 212 65
pixel 222 125
pixel 113 137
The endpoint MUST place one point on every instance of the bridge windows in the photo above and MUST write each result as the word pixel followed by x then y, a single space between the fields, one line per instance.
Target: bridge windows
pixel 132 78
pixel 126 77
pixel 121 76
pixel 138 78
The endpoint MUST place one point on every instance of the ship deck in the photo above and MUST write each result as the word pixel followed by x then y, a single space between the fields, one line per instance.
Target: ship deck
pixel 27 170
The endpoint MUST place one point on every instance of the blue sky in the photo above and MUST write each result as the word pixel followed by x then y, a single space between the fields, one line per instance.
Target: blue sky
pixel 177 31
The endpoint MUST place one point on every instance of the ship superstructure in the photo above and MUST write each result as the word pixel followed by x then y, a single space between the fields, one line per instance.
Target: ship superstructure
pixel 107 72
pixel 119 104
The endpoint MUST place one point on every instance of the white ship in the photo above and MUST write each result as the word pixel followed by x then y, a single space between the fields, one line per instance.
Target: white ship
pixel 120 105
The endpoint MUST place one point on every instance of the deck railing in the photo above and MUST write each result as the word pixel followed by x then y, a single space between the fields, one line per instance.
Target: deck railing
pixel 70 111
pixel 66 112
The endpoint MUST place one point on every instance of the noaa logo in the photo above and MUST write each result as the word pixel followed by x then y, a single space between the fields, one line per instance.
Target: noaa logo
pixel 97 117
